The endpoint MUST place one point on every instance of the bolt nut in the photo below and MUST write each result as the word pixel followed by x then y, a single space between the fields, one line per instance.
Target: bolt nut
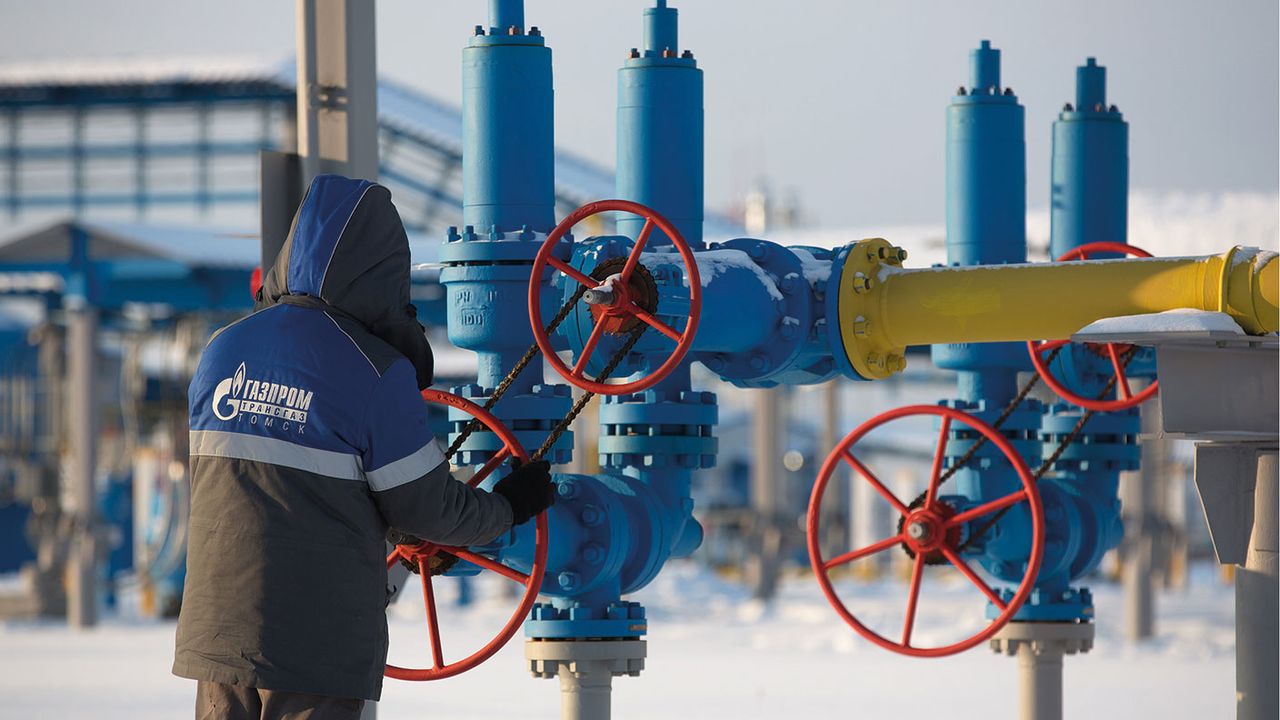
pixel 687 54
pixel 593 554
pixel 861 283
pixel 567 580
pixel 901 253
pixel 535 32
pixel 635 53
pixel 759 363
pixel 917 530
pixel 479 30
pixel 861 328
pixel 591 516
pixel 875 360
pixel 513 30
pixel 567 488
pixel 896 363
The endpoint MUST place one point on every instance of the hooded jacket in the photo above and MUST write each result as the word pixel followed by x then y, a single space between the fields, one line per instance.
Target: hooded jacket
pixel 309 441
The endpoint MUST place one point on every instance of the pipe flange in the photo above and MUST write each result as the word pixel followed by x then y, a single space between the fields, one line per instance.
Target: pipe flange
pixel 867 344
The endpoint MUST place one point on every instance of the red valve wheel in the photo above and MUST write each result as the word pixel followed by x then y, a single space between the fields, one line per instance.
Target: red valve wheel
pixel 1039 351
pixel 931 528
pixel 623 308
pixel 422 553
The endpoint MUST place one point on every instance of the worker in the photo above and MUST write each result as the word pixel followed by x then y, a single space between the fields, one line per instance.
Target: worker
pixel 309 443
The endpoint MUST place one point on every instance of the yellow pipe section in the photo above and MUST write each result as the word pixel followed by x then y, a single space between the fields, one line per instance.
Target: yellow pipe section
pixel 884 307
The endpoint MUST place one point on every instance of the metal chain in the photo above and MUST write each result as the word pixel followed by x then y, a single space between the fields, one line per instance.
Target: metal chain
pixel 1057 454
pixel 475 424
pixel 982 440
pixel 564 423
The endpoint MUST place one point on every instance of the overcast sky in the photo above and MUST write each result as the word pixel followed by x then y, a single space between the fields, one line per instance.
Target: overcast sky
pixel 841 102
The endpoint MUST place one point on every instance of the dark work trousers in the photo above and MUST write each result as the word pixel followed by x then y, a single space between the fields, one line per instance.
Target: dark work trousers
pixel 217 701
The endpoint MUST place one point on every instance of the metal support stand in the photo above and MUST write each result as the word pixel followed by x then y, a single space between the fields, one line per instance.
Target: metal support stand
pixel 586 669
pixel 1138 491
pixel 82 570
pixel 766 469
pixel 1258 604
pixel 1039 648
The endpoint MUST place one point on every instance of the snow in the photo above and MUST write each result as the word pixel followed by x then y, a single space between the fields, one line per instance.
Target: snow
pixel 1184 320
pixel 711 263
pixel 713 653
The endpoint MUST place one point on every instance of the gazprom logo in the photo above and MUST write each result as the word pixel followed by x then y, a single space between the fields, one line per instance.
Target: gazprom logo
pixel 240 394
pixel 226 402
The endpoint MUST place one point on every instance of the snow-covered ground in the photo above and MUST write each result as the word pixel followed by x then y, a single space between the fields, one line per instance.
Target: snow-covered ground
pixel 712 654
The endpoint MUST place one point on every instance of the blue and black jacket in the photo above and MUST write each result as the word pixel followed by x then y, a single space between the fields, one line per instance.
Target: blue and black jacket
pixel 309 440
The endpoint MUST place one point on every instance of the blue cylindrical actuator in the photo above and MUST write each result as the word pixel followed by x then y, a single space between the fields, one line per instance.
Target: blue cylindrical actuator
pixel 986 196
pixel 660 130
pixel 1090 188
pixel 508 157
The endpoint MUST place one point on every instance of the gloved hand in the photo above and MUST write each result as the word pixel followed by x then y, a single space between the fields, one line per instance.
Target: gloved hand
pixel 438 563
pixel 528 488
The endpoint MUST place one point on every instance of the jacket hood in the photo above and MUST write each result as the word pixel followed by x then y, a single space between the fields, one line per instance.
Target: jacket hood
pixel 347 251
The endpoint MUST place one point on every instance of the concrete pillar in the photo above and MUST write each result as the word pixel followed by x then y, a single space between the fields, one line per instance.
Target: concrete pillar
pixel 836 505
pixel 766 470
pixel 1138 495
pixel 82 610
pixel 1258 604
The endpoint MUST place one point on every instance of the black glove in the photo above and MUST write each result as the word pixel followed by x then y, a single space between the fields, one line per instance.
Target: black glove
pixel 528 488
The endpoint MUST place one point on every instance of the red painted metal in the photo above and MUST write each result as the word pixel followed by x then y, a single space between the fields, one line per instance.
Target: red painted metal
pixel 1040 350
pixel 608 318
pixel 423 552
pixel 939 530
pixel 255 282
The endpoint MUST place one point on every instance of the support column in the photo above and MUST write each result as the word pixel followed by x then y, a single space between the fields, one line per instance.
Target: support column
pixel 1258 604
pixel 836 508
pixel 1040 648
pixel 1138 493
pixel 766 464
pixel 82 610
pixel 586 669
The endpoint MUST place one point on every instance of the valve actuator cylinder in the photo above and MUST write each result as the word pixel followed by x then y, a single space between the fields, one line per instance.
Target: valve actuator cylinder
pixel 986 193
pixel 660 130
pixel 508 156
pixel 1089 192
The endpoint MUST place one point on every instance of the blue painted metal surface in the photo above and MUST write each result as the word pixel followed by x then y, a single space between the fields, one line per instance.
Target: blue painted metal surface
pixel 660 130
pixel 985 225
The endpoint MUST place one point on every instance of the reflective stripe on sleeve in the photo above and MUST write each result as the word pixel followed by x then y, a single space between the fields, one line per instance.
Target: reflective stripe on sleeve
pixel 408 468
pixel 219 443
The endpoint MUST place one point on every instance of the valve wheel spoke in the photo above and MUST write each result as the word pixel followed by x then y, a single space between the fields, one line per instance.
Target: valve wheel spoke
pixel 654 322
pixel 572 272
pixel 1121 379
pixel 433 621
pixel 913 596
pixel 867 475
pixel 495 461
pixel 588 349
pixel 936 474
pixel 968 572
pixel 1000 503
pixel 634 257
pixel 490 564
pixel 1051 345
pixel 860 553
